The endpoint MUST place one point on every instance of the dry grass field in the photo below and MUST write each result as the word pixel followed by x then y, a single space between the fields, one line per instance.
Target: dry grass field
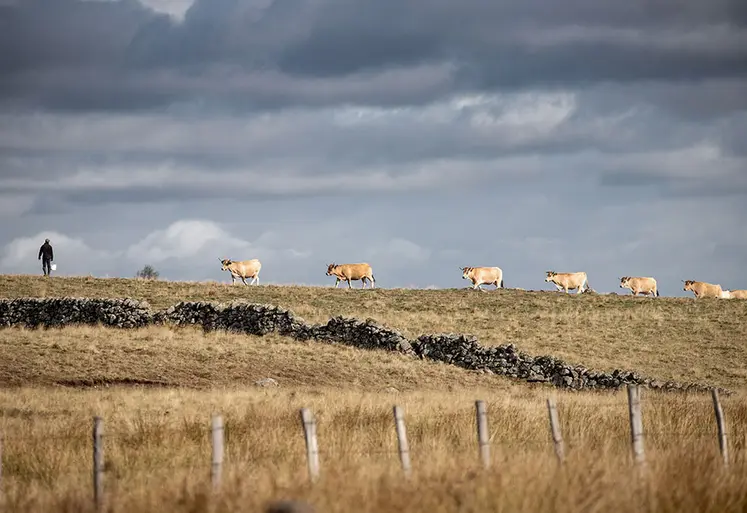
pixel 667 338
pixel 157 387
pixel 157 449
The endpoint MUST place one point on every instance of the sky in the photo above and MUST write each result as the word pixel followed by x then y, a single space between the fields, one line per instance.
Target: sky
pixel 420 136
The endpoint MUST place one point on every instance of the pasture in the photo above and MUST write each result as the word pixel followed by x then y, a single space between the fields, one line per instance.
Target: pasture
pixel 668 338
pixel 157 387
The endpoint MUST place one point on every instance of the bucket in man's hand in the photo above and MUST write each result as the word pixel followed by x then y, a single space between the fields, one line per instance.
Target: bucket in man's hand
pixel 53 267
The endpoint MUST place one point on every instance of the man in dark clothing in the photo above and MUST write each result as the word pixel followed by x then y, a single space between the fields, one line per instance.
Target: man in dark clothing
pixel 46 255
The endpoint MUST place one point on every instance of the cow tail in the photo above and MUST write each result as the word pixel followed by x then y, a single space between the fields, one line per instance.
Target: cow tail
pixel 657 292
pixel 501 282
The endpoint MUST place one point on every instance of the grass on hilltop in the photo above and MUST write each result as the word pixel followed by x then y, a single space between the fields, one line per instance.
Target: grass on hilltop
pixel 666 338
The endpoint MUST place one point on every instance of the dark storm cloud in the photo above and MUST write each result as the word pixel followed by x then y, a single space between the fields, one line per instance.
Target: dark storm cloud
pixel 67 54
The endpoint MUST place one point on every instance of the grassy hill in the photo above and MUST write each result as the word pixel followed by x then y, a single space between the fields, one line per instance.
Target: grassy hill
pixel 89 356
pixel 53 381
pixel 668 338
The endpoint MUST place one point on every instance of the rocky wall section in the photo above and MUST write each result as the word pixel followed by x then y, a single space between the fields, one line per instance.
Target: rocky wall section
pixel 63 311
pixel 257 319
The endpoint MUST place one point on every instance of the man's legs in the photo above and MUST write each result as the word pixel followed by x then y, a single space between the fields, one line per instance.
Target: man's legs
pixel 46 267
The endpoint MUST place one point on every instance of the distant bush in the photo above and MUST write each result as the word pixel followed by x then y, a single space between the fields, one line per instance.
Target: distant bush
pixel 147 273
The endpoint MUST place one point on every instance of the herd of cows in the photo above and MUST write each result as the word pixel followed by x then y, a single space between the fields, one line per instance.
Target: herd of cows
pixel 480 276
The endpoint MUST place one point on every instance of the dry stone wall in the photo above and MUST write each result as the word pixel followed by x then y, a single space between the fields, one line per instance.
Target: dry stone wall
pixel 63 311
pixel 257 319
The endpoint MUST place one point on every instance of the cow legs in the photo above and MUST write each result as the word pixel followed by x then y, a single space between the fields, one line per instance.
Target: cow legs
pixel 255 279
pixel 337 282
pixel 244 281
pixel 350 285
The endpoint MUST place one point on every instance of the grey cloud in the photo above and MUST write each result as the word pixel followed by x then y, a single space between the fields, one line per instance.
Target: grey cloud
pixel 294 52
pixel 480 128
pixel 673 186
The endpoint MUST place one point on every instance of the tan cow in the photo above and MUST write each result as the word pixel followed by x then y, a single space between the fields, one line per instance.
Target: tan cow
pixel 244 269
pixel 483 275
pixel 703 289
pixel 347 272
pixel 734 294
pixel 639 285
pixel 568 281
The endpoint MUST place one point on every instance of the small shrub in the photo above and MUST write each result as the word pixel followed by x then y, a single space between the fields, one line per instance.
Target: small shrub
pixel 147 273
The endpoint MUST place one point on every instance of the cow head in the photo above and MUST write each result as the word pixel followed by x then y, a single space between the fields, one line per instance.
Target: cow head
pixel 331 268
pixel 225 263
pixel 549 275
pixel 624 281
pixel 688 284
pixel 466 272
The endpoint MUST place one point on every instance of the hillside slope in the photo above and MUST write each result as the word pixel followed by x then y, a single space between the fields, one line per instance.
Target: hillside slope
pixel 159 356
pixel 671 338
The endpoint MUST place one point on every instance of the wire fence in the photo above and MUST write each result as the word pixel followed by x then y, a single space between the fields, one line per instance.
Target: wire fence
pixel 556 442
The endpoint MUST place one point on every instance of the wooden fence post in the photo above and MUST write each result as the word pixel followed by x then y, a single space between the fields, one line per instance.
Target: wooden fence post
pixel 722 442
pixel 216 469
pixel 557 437
pixel 98 463
pixel 636 424
pixel 1 463
pixel 404 449
pixel 482 433
pixel 312 447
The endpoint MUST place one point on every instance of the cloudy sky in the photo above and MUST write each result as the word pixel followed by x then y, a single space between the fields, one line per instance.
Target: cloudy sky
pixel 418 135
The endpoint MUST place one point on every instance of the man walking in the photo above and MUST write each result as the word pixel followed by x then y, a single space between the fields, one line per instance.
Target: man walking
pixel 46 255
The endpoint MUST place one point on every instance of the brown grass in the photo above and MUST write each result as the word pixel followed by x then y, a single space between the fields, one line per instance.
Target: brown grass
pixel 157 441
pixel 157 451
pixel 187 357
pixel 667 338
